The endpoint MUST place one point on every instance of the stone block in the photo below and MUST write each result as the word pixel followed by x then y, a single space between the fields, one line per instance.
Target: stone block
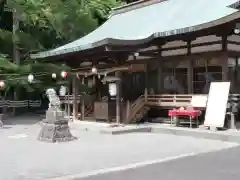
pixel 55 127
pixel 58 132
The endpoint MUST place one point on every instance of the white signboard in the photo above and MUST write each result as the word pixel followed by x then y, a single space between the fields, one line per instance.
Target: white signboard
pixel 217 104
pixel 199 101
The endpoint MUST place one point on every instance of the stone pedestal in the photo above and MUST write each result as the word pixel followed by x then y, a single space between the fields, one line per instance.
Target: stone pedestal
pixel 55 127
pixel 1 120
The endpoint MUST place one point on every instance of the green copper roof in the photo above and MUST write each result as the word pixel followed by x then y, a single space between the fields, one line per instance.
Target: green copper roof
pixel 158 18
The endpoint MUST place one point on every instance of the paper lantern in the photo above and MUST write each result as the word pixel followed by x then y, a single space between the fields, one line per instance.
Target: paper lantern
pixel 94 70
pixel 54 75
pixel 64 74
pixel 112 89
pixel 30 78
pixel 2 84
pixel 63 90
pixel 236 31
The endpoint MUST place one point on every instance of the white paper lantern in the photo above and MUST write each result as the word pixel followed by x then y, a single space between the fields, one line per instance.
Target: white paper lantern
pixel 2 84
pixel 94 70
pixel 63 90
pixel 54 75
pixel 64 74
pixel 30 78
pixel 236 31
pixel 112 89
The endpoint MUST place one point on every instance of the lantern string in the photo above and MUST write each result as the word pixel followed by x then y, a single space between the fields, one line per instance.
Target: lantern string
pixel 6 77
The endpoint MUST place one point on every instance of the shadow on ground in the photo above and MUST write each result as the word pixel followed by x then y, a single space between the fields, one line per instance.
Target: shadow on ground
pixel 26 119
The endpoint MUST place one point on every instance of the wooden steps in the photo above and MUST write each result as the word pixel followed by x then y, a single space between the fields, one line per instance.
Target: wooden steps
pixel 137 111
pixel 142 105
pixel 140 114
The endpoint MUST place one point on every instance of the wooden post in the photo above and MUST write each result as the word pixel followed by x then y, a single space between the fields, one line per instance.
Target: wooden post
pixel 82 104
pixel 118 110
pixel 190 76
pixel 65 103
pixel 225 67
pixel 146 83
pixel 68 103
pixel 75 93
pixel 160 65
pixel 127 110
pixel 15 41
pixel 224 59
pixel 159 76
pixel 189 69
pixel 236 76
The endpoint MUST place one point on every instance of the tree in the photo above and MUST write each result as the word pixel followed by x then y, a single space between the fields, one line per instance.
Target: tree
pixel 43 25
pixel 16 76
pixel 58 21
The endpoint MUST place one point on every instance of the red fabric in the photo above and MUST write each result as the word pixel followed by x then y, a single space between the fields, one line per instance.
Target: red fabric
pixel 191 113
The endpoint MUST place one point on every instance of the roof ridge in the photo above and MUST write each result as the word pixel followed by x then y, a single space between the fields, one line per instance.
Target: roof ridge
pixel 133 6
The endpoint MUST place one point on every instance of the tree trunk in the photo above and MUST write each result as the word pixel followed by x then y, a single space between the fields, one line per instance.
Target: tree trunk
pixel 15 40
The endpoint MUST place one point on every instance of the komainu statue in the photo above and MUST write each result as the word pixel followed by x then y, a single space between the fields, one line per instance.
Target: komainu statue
pixel 54 101
pixel 55 125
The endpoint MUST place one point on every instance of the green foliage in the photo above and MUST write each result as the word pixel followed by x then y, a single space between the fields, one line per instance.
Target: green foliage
pixel 45 24
pixel 16 76
pixel 58 22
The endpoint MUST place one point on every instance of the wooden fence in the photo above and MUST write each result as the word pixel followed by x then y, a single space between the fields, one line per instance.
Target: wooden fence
pixel 18 104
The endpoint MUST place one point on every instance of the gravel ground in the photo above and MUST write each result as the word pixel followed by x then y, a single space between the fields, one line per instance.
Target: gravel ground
pixel 25 158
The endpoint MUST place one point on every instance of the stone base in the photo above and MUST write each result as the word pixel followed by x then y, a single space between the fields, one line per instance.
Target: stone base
pixel 213 128
pixel 56 132
pixel 1 120
pixel 1 124
pixel 202 127
pixel 232 130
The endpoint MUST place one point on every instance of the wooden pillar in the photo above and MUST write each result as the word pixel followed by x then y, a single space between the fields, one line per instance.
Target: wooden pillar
pixel 16 53
pixel 159 76
pixel 118 101
pixel 160 65
pixel 224 59
pixel 189 69
pixel 75 94
pixel 236 75
pixel 146 83
pixel 190 76
pixel 82 104
pixel 68 103
pixel 128 106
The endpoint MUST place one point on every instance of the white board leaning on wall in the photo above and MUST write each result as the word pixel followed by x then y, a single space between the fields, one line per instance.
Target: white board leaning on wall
pixel 217 104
